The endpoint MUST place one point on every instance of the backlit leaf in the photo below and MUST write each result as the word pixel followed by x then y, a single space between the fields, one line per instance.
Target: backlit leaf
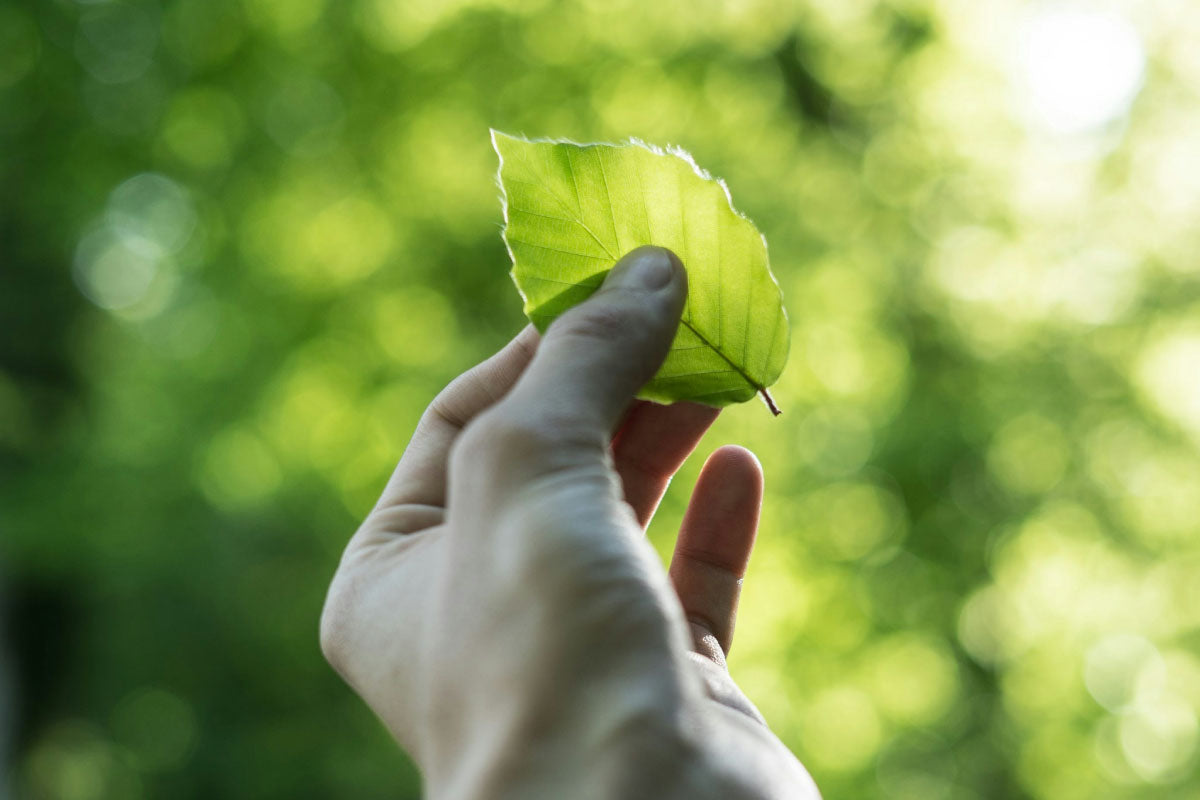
pixel 571 211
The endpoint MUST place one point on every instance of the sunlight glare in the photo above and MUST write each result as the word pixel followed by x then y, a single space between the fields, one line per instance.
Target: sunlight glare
pixel 1077 68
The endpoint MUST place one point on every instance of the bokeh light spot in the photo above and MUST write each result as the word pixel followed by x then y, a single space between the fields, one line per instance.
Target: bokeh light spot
pixel 856 363
pixel 238 471
pixel 158 727
pixel 304 115
pixel 115 271
pixel 1029 454
pixel 415 326
pixel 834 441
pixel 284 18
pixel 1077 67
pixel 203 128
pixel 982 625
pixel 319 234
pixel 124 262
pixel 1168 374
pixel 850 520
pixel 1112 667
pixel 1159 741
pixel 395 25
pixel 153 208
pixel 116 41
pixel 913 678
pixel 842 729
pixel 75 761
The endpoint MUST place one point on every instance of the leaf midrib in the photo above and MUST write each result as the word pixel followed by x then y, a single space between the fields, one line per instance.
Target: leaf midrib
pixel 740 371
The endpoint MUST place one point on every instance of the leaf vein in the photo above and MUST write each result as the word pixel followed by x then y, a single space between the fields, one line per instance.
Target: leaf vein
pixel 678 375
pixel 728 361
pixel 612 214
pixel 582 224
pixel 512 240
pixel 586 282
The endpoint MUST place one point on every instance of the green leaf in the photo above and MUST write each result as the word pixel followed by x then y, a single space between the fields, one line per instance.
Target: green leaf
pixel 571 211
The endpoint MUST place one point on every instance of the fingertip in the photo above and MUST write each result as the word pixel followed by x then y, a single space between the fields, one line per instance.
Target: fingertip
pixel 734 476
pixel 722 519
pixel 648 268
pixel 676 261
pixel 733 458
pixel 678 269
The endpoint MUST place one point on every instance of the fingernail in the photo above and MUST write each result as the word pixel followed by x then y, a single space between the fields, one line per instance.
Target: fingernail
pixel 644 268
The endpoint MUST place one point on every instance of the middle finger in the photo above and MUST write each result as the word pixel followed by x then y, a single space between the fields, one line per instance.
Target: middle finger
pixel 651 445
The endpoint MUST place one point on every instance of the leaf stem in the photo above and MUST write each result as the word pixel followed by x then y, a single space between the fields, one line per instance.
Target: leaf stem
pixel 766 396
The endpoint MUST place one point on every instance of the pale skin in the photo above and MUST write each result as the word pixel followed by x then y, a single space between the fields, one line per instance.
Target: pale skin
pixel 500 609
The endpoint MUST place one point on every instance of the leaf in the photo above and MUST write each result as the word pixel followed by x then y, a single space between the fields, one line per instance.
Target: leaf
pixel 571 211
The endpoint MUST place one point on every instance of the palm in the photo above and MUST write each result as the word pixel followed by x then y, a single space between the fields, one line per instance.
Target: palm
pixel 395 556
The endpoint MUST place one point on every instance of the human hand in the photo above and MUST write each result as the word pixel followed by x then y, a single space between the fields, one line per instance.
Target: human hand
pixel 500 609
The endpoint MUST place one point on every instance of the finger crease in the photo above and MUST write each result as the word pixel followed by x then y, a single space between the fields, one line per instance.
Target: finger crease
pixel 708 559
pixel 640 465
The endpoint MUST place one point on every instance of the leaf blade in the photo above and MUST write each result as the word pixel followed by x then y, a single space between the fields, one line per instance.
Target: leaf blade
pixel 572 210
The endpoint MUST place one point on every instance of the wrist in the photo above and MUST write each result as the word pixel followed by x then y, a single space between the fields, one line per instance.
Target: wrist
pixel 629 738
pixel 645 757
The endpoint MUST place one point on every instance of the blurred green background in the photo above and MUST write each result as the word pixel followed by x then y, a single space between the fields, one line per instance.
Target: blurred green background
pixel 243 242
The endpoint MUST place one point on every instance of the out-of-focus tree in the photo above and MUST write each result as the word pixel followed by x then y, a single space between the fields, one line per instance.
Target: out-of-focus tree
pixel 243 242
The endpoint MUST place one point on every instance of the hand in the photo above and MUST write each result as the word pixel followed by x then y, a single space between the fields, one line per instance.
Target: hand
pixel 500 609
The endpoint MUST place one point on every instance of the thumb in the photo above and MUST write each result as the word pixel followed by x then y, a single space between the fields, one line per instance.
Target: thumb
pixel 595 357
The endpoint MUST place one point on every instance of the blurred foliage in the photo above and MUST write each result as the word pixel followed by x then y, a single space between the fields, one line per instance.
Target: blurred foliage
pixel 243 242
